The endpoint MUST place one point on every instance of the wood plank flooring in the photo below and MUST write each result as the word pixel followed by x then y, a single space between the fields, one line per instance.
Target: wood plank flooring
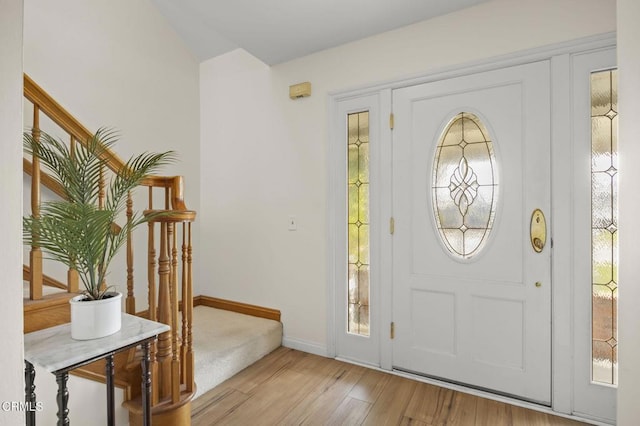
pixel 289 387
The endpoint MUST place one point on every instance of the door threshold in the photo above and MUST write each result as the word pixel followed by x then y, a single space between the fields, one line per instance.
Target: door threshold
pixel 459 386
pixel 477 392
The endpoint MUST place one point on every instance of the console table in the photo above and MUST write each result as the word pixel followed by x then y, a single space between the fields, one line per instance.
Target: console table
pixel 54 350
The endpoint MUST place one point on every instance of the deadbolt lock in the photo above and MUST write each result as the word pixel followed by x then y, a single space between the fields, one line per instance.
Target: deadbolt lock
pixel 538 230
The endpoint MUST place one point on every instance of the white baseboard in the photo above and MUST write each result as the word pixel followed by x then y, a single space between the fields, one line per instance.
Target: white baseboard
pixel 304 346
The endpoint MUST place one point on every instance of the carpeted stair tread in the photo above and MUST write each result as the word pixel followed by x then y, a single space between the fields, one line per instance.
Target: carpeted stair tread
pixel 227 342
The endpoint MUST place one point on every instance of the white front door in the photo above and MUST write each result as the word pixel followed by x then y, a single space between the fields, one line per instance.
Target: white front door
pixel 471 295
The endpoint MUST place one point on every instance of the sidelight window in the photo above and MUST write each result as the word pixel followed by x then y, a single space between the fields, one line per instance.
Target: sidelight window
pixel 358 223
pixel 604 226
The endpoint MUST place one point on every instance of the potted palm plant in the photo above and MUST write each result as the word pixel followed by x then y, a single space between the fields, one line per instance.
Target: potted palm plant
pixel 79 233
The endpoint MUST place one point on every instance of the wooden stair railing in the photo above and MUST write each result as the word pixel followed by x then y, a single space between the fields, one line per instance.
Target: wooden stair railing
pixel 174 352
pixel 170 296
pixel 43 103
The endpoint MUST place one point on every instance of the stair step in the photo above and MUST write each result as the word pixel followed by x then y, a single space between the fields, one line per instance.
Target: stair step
pixel 47 312
pixel 226 342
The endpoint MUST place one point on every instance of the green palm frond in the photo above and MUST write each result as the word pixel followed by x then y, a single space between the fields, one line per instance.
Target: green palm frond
pixel 136 169
pixel 78 173
pixel 75 231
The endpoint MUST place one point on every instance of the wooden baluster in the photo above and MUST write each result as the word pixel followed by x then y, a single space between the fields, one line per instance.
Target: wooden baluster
pixel 101 197
pixel 151 270
pixel 131 299
pixel 170 254
pixel 185 296
pixel 72 146
pixel 175 362
pixel 164 314
pixel 72 281
pixel 169 235
pixel 35 255
pixel 72 274
pixel 189 309
pixel 153 312
pixel 101 192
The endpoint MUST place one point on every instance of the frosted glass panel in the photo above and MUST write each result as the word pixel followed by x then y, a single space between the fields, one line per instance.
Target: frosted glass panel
pixel 604 226
pixel 358 223
pixel 464 186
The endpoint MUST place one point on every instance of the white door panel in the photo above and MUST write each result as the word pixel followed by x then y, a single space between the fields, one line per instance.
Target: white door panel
pixel 479 321
pixel 506 267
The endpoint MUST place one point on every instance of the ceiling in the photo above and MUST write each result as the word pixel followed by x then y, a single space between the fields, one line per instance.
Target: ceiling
pixel 280 30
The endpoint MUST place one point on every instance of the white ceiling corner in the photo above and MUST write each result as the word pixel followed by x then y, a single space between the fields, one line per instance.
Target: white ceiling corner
pixel 278 31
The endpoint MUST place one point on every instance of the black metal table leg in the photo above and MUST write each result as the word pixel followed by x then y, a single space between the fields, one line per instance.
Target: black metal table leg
pixel 146 384
pixel 111 409
pixel 30 393
pixel 62 398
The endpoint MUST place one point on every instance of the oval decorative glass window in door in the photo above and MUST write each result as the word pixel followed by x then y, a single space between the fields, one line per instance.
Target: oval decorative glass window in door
pixel 465 186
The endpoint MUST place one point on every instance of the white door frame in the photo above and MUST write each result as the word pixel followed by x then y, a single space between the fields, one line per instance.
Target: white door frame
pixel 562 296
pixel 345 345
pixel 566 313
pixel 593 400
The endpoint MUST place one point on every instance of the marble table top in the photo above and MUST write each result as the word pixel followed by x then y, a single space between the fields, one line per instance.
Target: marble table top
pixel 54 350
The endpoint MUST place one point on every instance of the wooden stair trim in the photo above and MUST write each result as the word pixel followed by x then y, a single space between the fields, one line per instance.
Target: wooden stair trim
pixel 47 301
pixel 239 307
pixel 46 279
pixel 47 312
pixel 165 413
pixel 165 405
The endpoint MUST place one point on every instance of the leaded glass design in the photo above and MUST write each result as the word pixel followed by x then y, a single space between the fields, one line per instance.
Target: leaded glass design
pixel 465 186
pixel 358 223
pixel 604 225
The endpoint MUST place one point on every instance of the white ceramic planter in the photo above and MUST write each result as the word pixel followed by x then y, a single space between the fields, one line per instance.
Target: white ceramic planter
pixel 94 319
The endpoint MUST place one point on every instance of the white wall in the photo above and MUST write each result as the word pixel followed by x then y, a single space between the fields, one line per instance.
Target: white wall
pixel 12 365
pixel 118 63
pixel 264 156
pixel 629 319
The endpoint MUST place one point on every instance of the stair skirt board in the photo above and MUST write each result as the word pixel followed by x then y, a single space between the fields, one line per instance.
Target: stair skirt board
pixel 226 342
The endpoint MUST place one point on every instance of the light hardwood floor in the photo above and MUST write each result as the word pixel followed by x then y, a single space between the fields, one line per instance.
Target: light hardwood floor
pixel 289 387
